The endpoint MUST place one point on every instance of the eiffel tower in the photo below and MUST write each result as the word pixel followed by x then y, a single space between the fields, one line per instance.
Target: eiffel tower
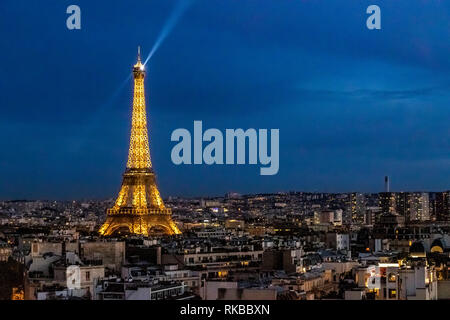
pixel 139 208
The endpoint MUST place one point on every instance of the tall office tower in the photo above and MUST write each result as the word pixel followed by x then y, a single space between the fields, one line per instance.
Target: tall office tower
pixel 139 208
pixel 419 207
pixel 387 202
pixel 442 206
pixel 356 207
pixel 401 203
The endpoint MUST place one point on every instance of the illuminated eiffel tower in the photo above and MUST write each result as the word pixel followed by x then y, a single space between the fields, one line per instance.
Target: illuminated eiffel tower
pixel 139 208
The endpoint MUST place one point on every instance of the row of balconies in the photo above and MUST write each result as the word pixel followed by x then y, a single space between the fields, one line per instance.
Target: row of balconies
pixel 144 211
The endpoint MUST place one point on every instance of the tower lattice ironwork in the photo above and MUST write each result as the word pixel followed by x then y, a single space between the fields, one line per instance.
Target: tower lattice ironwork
pixel 139 208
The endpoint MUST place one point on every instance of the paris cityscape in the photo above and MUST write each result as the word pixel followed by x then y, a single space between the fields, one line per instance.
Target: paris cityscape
pixel 332 186
pixel 289 246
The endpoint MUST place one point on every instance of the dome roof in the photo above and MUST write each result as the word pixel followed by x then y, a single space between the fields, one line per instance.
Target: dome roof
pixel 439 245
pixel 417 248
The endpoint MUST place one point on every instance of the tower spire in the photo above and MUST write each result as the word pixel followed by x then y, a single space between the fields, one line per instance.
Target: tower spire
pixel 139 153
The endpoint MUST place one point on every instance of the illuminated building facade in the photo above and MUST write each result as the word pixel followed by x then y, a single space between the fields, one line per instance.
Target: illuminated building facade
pixel 139 208
pixel 413 206
pixel 402 204
pixel 356 207
pixel 17 294
pixel 387 202
pixel 419 207
pixel 390 281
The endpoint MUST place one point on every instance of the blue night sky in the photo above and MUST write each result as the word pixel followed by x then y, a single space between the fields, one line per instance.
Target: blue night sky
pixel 352 104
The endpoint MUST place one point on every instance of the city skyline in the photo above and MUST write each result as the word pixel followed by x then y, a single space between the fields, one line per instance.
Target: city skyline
pixel 352 105
pixel 224 195
pixel 224 158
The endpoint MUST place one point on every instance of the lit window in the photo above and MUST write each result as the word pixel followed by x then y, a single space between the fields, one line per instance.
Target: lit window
pixel 392 294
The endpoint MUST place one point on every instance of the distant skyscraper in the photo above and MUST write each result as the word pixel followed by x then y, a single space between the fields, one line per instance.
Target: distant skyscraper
pixel 442 206
pixel 401 204
pixel 419 207
pixel 387 202
pixel 356 207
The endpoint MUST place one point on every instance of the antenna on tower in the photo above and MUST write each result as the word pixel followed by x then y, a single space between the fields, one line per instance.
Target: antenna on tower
pixel 139 53
pixel 386 184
